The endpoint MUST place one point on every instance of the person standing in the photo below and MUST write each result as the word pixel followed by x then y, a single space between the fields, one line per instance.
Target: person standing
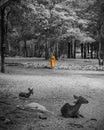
pixel 52 61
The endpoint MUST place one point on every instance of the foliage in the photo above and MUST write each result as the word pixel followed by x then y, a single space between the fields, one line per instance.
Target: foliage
pixel 45 20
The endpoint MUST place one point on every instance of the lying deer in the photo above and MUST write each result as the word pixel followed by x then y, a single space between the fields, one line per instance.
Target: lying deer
pixel 26 95
pixel 68 110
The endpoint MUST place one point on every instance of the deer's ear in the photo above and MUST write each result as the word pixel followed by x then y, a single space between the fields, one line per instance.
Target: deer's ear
pixel 28 88
pixel 31 89
pixel 75 97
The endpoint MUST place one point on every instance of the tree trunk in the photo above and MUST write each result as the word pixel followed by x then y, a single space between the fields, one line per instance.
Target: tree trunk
pixel 101 54
pixel 25 49
pixel 85 51
pixel 82 51
pixel 99 50
pixel 75 49
pixel 20 49
pixel 92 51
pixel 71 54
pixel 73 40
pixel 35 50
pixel 6 32
pixel 97 56
pixel 2 40
pixel 88 48
pixel 57 50
pixel 69 45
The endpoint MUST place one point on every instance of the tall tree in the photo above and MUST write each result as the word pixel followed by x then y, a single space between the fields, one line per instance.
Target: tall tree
pixel 3 5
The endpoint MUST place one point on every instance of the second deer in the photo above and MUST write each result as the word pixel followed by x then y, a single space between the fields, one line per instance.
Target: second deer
pixel 26 95
pixel 68 110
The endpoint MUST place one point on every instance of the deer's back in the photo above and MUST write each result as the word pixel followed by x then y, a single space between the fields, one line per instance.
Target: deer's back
pixel 66 109
pixel 26 95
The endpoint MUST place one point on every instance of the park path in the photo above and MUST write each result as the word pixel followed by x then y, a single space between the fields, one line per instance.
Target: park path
pixel 54 90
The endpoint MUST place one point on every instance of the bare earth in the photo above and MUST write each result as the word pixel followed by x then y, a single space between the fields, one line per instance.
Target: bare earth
pixel 52 88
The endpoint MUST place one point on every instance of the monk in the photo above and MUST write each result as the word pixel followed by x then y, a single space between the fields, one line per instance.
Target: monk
pixel 52 61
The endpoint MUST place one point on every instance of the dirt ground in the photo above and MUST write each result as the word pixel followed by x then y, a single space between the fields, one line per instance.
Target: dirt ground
pixel 52 88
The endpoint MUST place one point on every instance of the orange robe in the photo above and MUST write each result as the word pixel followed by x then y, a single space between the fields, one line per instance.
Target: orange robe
pixel 52 61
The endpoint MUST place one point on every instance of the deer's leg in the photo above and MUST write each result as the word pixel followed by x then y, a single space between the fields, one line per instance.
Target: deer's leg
pixel 80 115
pixel 76 114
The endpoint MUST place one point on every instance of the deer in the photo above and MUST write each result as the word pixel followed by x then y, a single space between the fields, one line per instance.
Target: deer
pixel 26 95
pixel 72 111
